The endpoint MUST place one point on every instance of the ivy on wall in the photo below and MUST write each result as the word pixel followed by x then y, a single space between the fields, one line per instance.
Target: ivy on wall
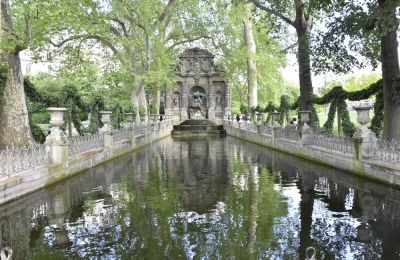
pixel 337 99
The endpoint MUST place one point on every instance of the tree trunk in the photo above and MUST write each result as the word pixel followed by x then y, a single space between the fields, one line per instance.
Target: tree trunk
pixel 303 25
pixel 390 70
pixel 14 122
pixel 251 63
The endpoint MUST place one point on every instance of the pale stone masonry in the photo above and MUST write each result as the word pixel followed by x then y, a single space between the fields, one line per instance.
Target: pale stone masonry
pixel 201 92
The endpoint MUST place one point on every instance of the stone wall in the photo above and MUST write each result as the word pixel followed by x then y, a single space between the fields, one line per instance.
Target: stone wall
pixel 348 159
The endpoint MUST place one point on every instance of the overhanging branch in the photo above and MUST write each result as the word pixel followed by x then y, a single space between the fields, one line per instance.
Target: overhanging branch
pixel 273 12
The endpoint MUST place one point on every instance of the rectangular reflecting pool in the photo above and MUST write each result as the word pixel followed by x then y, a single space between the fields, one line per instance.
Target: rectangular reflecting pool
pixel 206 198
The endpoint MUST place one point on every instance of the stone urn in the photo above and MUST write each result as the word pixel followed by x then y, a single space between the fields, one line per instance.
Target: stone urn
pixel 142 117
pixel 129 118
pixel 276 116
pixel 363 114
pixel 105 119
pixel 363 119
pixel 56 120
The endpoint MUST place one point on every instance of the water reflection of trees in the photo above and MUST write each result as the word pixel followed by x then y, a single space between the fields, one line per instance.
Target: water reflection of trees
pixel 236 199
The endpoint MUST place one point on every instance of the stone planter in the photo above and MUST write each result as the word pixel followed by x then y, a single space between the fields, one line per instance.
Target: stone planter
pixel 105 119
pixel 276 116
pixel 56 119
pixel 129 117
pixel 142 118
pixel 363 114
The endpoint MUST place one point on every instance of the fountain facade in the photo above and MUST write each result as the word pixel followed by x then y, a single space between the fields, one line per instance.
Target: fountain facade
pixel 201 92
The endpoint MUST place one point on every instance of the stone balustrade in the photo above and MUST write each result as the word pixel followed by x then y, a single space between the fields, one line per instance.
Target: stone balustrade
pixel 362 154
pixel 25 169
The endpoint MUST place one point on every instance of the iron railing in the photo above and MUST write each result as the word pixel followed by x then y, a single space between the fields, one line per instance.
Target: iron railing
pixel 120 134
pixel 387 150
pixel 335 143
pixel 290 133
pixel 17 159
pixel 82 144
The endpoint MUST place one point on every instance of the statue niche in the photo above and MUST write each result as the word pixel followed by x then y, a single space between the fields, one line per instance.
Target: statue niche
pixel 198 103
pixel 175 100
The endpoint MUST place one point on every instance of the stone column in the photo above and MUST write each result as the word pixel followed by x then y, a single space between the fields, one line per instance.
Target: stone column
pixel 106 129
pixel 227 100
pixel 56 140
pixel 184 100
pixel 211 101
pixel 168 101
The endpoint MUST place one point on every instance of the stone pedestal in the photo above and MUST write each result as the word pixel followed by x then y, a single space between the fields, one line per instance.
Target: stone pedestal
pixel 306 131
pixel 364 139
pixel 56 140
pixel 106 130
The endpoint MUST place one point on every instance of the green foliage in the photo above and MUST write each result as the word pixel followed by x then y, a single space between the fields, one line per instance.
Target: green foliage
pixel 37 133
pixel 96 105
pixel 72 101
pixel 284 108
pixel 337 97
pixel 269 109
pixel 152 109
pixel 243 109
pixel 377 120
pixel 3 78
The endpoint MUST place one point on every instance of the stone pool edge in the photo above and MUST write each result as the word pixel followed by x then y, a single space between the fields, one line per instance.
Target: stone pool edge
pixel 386 173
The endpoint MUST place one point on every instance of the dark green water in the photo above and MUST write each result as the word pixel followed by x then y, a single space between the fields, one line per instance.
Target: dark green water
pixel 217 198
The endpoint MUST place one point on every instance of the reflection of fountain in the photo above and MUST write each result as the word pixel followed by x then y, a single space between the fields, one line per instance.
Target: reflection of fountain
pixel 254 189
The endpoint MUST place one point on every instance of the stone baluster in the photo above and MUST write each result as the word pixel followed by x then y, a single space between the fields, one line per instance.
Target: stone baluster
pixel 56 140
pixel 364 139
pixel 106 130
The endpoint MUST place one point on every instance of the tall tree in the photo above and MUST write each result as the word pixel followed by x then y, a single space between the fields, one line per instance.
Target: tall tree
pixel 390 68
pixel 302 22
pixel 14 122
pixel 251 53
pixel 242 66
pixel 368 28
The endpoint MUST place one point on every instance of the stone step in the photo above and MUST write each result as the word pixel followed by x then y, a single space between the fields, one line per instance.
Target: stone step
pixel 197 122
pixel 184 133
pixel 198 127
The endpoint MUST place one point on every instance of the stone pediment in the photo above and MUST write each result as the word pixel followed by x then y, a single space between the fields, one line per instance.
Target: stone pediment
pixel 196 53
pixel 197 61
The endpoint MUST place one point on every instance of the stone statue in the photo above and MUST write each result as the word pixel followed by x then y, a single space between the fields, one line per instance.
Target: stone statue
pixel 218 100
pixel 197 99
